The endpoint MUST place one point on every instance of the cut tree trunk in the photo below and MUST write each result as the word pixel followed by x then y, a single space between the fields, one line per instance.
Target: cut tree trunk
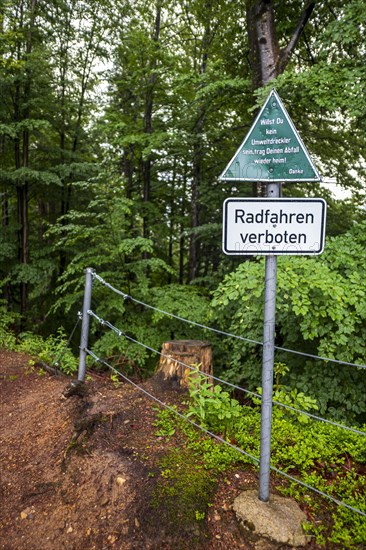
pixel 194 353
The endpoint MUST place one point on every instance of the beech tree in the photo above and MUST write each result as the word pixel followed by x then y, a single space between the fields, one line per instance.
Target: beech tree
pixel 268 58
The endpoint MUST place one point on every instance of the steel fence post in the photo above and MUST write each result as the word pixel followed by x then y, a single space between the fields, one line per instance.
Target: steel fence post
pixel 85 323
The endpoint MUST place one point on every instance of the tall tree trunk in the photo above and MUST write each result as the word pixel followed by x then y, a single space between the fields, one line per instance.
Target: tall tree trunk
pixel 127 165
pixel 197 163
pixel 195 206
pixel 267 59
pixel 21 149
pixel 63 74
pixel 4 197
pixel 264 51
pixel 22 196
pixel 149 104
pixel 22 187
pixel 172 227
pixel 263 43
pixel 5 220
pixel 182 241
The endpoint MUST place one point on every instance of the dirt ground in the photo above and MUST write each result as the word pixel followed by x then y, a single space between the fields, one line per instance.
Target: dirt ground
pixel 79 472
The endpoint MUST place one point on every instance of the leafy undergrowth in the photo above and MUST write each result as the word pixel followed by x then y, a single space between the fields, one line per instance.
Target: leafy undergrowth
pixel 323 456
pixel 53 350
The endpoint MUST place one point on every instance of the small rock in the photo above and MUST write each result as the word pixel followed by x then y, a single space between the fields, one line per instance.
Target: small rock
pixel 69 530
pixel 137 523
pixel 121 480
pixel 27 513
pixel 217 517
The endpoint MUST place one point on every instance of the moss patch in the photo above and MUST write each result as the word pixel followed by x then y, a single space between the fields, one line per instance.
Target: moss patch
pixel 184 491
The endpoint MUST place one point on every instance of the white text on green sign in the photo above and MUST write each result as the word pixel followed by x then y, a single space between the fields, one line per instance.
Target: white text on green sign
pixel 272 150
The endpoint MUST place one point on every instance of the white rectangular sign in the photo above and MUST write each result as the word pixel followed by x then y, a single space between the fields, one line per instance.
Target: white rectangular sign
pixel 273 226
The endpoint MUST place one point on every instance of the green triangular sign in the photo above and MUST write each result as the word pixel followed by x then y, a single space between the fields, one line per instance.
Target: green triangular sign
pixel 272 150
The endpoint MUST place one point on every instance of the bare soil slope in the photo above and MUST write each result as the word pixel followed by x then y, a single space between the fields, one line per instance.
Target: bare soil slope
pixel 79 473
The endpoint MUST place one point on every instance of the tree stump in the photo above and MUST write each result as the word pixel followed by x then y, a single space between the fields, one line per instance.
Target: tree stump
pixel 171 373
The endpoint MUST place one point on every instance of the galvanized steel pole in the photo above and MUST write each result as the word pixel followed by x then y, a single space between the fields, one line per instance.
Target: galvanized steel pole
pixel 85 323
pixel 273 191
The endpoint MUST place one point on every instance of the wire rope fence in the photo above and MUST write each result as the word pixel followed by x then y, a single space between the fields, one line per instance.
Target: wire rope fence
pixel 120 333
pixel 234 386
pixel 221 439
pixel 212 329
pixel 85 350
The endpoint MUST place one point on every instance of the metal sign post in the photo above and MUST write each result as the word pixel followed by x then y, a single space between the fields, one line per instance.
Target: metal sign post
pixel 273 190
pixel 272 152
pixel 271 226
